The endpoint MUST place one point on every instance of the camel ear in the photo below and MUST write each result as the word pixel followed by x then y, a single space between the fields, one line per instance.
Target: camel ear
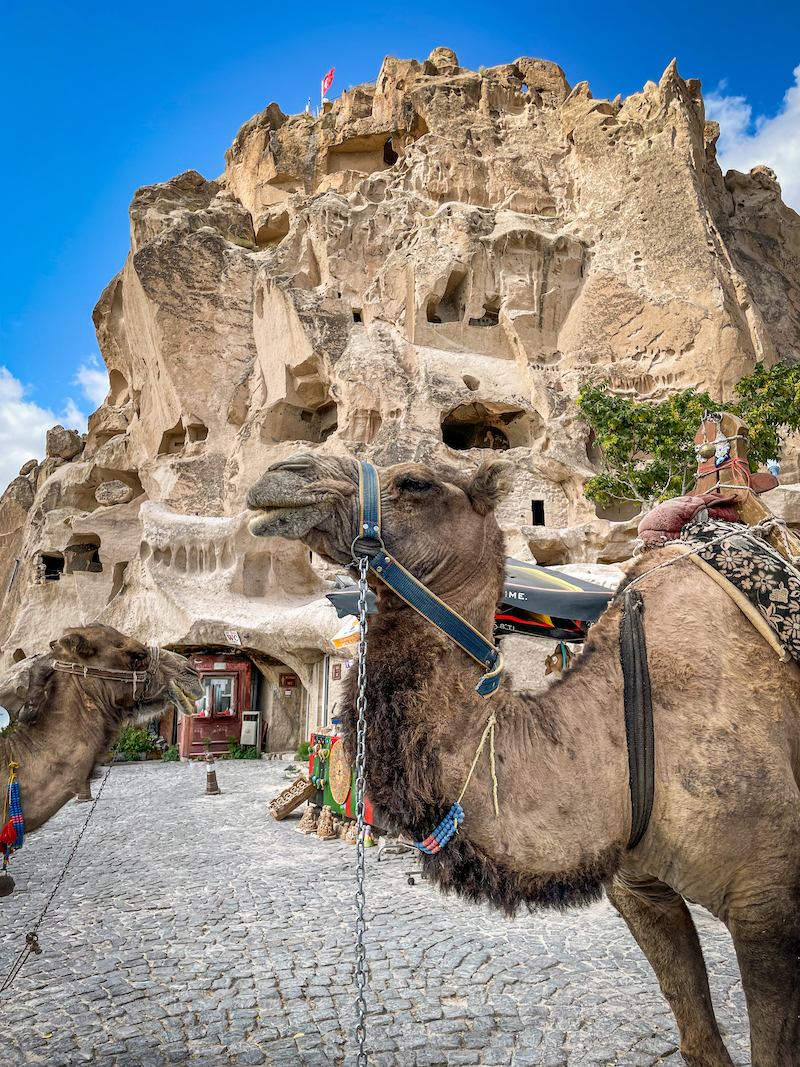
pixel 76 645
pixel 490 483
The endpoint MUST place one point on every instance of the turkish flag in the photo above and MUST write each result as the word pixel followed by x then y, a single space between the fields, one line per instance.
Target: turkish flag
pixel 327 81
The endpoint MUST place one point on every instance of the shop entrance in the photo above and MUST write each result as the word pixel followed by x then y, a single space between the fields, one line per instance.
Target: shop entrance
pixel 225 711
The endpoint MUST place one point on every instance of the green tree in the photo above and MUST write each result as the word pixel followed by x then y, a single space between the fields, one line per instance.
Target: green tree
pixel 647 449
pixel 769 402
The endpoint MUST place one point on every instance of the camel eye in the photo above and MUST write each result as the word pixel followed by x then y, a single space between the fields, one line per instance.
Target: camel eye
pixel 413 485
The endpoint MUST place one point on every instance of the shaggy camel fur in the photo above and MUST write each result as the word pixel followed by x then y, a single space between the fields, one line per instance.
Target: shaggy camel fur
pixel 725 829
pixel 67 722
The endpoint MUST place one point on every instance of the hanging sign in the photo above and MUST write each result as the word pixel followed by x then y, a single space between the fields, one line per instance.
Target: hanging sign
pixel 349 633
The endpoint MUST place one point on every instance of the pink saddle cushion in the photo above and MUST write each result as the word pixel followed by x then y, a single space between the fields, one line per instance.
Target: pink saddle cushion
pixel 665 522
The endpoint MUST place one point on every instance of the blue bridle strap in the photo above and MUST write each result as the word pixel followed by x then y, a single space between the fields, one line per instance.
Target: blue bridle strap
pixel 368 542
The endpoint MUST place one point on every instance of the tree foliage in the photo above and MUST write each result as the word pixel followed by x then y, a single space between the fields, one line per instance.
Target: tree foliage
pixel 647 449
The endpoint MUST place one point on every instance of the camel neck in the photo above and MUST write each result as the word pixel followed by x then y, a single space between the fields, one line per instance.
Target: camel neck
pixel 562 780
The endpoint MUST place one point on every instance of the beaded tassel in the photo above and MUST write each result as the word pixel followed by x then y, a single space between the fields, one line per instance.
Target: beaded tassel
pixel 15 811
pixel 13 830
pixel 443 833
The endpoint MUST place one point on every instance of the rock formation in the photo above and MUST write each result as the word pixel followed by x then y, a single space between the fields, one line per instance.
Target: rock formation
pixel 428 269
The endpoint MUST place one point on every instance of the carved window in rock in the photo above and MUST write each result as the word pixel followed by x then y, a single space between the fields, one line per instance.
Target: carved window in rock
pixel 452 304
pixel 119 391
pixel 173 440
pixel 288 422
pixel 365 155
pixel 486 425
pixel 52 566
pixel 537 513
pixel 491 314
pixel 196 432
pixel 83 555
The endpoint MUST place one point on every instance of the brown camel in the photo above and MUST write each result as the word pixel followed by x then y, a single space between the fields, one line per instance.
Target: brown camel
pixel 725 828
pixel 68 722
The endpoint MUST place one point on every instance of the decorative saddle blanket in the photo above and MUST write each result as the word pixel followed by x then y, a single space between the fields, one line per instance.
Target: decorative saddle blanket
pixel 768 581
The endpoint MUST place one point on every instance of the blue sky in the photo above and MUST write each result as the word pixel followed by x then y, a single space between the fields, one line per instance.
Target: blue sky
pixel 101 98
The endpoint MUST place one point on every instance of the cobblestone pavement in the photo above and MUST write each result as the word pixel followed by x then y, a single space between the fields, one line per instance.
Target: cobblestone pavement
pixel 194 929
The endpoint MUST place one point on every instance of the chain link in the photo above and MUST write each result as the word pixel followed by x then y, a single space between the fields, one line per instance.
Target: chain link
pixel 31 940
pixel 361 731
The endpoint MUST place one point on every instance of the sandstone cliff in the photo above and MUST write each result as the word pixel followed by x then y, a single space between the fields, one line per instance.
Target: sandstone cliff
pixel 428 269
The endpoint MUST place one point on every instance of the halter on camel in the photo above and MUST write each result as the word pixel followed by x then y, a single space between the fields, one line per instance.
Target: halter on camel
pixel 368 544
pixel 145 677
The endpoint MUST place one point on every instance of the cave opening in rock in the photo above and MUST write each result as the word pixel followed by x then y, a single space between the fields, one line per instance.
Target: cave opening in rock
pixel 490 316
pixel 119 392
pixel 83 555
pixel 18 656
pixel 173 440
pixel 485 425
pixel 288 422
pixel 357 315
pixel 389 155
pixel 53 563
pixel 450 308
pixel 537 513
pixel 196 431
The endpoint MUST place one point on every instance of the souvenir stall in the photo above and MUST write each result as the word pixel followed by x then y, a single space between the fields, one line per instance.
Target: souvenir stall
pixel 334 778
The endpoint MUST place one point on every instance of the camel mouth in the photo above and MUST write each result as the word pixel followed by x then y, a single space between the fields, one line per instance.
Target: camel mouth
pixel 287 520
pixel 182 698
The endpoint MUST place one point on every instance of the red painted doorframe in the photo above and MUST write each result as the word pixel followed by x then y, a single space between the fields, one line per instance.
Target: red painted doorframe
pixel 218 728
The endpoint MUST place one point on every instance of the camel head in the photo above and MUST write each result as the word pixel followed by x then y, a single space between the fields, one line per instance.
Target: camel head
pixel 174 681
pixel 436 521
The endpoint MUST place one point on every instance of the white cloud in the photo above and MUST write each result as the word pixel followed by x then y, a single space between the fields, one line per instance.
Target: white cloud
pixel 93 380
pixel 23 426
pixel 745 142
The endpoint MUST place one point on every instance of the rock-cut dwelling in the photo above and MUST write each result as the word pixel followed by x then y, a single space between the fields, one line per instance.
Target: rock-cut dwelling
pixel 427 270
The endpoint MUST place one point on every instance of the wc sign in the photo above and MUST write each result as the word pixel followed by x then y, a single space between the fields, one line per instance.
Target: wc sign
pixel 232 637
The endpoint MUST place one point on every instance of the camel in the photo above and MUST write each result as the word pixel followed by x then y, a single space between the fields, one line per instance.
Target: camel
pixel 68 722
pixel 725 826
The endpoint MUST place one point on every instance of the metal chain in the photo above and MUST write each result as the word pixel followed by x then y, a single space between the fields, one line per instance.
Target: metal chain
pixel 31 940
pixel 361 731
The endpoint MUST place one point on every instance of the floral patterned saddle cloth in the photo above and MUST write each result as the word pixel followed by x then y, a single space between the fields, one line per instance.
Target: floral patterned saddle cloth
pixel 768 580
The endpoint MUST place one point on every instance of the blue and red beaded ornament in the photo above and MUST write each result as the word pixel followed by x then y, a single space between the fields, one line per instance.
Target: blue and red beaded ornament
pixel 13 831
pixel 444 832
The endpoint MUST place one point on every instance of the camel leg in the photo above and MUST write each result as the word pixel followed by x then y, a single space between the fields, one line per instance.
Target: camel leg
pixel 767 941
pixel 660 921
pixel 85 792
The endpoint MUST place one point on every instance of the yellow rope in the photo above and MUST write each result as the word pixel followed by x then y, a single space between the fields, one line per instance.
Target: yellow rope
pixel 490 731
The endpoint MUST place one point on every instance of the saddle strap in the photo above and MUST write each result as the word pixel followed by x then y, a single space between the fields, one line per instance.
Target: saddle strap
pixel 638 714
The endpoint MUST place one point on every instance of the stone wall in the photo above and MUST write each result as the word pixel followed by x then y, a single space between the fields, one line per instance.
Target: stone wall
pixel 429 269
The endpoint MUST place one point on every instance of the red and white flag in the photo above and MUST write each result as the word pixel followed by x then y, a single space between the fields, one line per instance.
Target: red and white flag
pixel 327 81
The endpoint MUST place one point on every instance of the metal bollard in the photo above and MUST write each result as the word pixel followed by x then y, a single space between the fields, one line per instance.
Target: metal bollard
pixel 212 789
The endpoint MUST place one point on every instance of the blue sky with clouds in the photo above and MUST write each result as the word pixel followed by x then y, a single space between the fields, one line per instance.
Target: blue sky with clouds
pixel 101 98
